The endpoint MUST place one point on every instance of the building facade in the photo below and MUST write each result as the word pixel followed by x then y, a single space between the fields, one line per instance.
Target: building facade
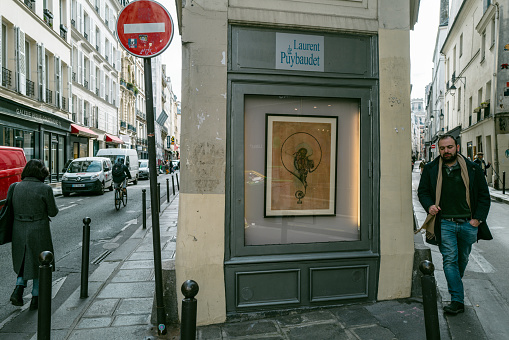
pixel 294 116
pixel 475 54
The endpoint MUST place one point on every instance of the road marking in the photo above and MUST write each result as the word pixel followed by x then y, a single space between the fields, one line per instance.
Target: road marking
pixel 70 206
pixel 128 223
pixel 485 266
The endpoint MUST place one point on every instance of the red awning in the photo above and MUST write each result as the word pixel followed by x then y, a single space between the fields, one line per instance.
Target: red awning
pixel 113 139
pixel 82 131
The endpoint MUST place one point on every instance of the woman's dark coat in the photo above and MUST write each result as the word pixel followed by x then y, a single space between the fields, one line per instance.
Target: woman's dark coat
pixel 33 204
pixel 480 200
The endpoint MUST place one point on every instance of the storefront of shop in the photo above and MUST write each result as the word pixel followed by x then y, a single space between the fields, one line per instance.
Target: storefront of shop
pixel 42 135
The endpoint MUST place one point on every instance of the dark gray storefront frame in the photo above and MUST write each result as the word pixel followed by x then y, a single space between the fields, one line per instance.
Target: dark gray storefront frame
pixel 296 275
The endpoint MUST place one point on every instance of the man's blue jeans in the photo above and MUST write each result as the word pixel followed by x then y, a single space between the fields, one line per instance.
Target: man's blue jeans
pixel 35 288
pixel 456 244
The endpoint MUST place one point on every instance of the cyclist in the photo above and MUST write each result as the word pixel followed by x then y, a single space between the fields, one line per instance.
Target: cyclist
pixel 120 174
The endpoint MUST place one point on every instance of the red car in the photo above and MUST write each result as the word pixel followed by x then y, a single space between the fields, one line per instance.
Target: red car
pixel 12 162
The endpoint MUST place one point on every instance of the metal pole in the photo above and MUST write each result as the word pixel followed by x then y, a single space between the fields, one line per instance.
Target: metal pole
pixel 189 307
pixel 173 184
pixel 168 190
pixel 156 236
pixel 177 177
pixel 429 300
pixel 503 182
pixel 144 203
pixel 85 254
pixel 159 197
pixel 44 309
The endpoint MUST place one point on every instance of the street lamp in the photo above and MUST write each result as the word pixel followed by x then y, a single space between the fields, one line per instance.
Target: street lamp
pixel 453 87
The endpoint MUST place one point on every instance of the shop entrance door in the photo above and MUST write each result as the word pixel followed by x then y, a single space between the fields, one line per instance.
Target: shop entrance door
pixel 54 159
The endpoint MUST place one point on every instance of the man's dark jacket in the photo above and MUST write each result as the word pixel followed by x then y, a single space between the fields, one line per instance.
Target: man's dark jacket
pixel 479 196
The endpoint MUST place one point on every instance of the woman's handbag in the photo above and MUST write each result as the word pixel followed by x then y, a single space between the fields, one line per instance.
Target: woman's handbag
pixel 6 219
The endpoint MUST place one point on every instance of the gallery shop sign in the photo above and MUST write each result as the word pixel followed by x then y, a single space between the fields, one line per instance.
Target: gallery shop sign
pixel 299 52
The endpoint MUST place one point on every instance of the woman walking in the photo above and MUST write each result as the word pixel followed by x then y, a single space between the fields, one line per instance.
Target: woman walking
pixel 33 204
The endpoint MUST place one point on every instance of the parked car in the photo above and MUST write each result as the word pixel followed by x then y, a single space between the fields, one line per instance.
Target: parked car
pixel 143 170
pixel 130 159
pixel 12 162
pixel 88 174
pixel 176 164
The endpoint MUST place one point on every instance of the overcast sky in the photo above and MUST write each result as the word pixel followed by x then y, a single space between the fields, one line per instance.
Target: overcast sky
pixel 422 45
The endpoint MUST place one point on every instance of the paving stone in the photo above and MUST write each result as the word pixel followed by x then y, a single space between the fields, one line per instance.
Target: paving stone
pixel 123 251
pixel 112 333
pixel 128 320
pixel 102 307
pixel 134 306
pixel 374 332
pixel 132 275
pixel 326 331
pixel 103 272
pixel 138 264
pixel 148 255
pixel 301 318
pixel 209 333
pixel 127 290
pixel 94 322
pixel 256 327
pixel 354 316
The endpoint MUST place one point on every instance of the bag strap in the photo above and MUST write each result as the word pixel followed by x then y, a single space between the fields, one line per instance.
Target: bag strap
pixel 10 193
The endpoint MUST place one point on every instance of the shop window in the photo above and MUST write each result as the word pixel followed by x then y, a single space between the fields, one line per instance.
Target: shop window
pixel 301 181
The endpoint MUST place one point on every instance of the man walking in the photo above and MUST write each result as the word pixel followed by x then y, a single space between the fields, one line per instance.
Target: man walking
pixel 454 192
pixel 480 161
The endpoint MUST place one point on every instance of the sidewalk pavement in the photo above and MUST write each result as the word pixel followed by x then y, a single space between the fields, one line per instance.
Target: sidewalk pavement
pixel 121 293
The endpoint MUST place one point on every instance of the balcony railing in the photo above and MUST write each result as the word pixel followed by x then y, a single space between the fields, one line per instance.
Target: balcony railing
pixel 63 31
pixel 114 102
pixel 106 56
pixel 63 103
pixel 85 120
pixel 48 17
pixel 74 76
pixel 73 23
pixel 30 88
pixel 86 36
pixel 106 97
pixel 123 124
pixel 74 117
pixel 97 92
pixel 487 111
pixel 97 48
pixel 49 96
pixel 107 23
pixel 85 84
pixel 29 4
pixel 114 66
pixel 6 77
pixel 57 101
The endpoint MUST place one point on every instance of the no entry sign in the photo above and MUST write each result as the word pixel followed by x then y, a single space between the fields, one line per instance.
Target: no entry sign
pixel 144 28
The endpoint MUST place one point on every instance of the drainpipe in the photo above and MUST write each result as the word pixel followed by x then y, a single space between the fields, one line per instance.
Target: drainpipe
pixel 494 95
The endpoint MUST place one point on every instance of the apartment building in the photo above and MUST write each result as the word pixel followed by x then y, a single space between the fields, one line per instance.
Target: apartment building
pixel 35 90
pixel 96 63
pixel 476 96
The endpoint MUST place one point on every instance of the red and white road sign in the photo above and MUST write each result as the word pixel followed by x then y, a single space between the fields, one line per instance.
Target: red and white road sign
pixel 432 146
pixel 144 28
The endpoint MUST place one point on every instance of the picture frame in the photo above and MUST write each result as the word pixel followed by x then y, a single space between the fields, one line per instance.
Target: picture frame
pixel 300 165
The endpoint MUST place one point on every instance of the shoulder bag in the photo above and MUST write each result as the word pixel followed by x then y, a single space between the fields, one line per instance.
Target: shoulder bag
pixel 7 219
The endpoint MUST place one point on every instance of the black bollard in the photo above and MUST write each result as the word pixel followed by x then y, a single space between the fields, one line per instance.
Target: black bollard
pixel 173 184
pixel 189 306
pixel 144 204
pixel 44 309
pixel 429 300
pixel 168 190
pixel 159 197
pixel 85 254
pixel 503 182
pixel 178 186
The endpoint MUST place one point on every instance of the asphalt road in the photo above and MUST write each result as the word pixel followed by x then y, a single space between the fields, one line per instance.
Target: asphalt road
pixel 108 230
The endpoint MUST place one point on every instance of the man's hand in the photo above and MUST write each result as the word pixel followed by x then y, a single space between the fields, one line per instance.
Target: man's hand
pixel 433 210
pixel 474 222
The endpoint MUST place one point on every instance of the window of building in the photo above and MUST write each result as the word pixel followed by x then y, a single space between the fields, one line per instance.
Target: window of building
pixel 493 33
pixel 454 60
pixel 459 98
pixel 470 111
pixel 483 45
pixel 4 46
pixel 461 45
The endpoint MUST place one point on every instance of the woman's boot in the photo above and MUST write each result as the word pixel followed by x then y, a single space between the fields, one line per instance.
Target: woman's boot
pixel 34 304
pixel 17 296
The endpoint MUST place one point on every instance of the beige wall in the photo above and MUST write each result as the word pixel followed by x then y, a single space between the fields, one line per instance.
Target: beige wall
pixel 396 225
pixel 200 237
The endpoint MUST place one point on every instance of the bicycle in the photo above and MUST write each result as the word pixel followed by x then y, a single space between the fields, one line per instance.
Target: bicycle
pixel 120 196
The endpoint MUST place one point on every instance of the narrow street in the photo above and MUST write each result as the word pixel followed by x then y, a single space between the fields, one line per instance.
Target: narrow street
pixel 109 229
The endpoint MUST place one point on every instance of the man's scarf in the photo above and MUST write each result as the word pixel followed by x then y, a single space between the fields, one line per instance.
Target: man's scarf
pixel 429 223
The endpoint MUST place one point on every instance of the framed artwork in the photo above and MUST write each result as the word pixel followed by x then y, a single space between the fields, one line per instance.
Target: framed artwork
pixel 300 165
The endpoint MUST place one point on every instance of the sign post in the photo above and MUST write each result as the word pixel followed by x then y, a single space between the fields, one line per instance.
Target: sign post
pixel 145 30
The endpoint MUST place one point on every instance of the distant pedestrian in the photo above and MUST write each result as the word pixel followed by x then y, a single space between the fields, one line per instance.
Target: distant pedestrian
pixel 421 166
pixel 33 204
pixel 456 216
pixel 480 161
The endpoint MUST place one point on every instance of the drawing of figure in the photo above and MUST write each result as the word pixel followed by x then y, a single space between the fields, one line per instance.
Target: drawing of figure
pixel 303 165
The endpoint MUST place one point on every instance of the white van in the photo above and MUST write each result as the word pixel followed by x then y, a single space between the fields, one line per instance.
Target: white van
pixel 130 159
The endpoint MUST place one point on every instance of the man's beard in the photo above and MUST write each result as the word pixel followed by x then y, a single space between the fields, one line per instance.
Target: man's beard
pixel 449 157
